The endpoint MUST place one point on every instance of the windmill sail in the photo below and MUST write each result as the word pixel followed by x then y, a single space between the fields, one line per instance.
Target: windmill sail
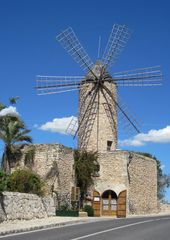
pixel 99 104
pixel 150 76
pixel 71 44
pixel 116 42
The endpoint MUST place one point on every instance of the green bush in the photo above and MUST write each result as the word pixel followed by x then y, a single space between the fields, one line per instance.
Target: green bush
pixel 67 213
pixel 64 206
pixel 89 210
pixel 25 181
pixel 3 181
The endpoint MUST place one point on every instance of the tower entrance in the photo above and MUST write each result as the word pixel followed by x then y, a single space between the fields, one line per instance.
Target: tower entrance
pixel 109 203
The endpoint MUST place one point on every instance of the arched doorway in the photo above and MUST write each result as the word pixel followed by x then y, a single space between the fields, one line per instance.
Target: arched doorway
pixel 109 203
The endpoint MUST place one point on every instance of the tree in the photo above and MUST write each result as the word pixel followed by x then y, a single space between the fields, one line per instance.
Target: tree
pixel 12 132
pixel 13 100
pixel 25 181
pixel 163 180
pixel 2 106
pixel 86 167
pixel 22 180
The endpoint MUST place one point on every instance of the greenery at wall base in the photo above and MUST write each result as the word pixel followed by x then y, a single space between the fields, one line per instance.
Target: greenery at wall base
pixel 67 213
pixel 21 180
pixel 89 210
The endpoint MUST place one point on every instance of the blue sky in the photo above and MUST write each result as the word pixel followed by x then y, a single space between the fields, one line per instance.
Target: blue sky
pixel 28 47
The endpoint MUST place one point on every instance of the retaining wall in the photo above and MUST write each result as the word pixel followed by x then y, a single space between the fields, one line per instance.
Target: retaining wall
pixel 14 205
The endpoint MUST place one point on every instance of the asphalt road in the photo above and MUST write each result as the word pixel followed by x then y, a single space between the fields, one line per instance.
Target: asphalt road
pixel 150 228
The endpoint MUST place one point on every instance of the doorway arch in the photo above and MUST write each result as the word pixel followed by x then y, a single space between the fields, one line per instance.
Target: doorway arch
pixel 109 203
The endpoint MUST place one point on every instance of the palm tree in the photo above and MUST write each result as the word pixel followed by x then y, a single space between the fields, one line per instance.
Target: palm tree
pixel 12 132
pixel 13 100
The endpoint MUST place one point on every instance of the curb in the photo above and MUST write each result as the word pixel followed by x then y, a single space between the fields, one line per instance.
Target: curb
pixel 47 226
pixel 67 223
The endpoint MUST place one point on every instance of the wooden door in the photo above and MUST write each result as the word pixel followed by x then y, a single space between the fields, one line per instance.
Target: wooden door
pixel 121 204
pixel 96 203
pixel 109 203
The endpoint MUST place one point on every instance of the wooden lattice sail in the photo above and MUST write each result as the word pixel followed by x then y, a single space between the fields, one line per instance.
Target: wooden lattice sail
pixel 99 105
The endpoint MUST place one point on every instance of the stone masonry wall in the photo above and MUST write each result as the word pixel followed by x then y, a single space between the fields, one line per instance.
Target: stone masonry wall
pixel 113 171
pixel 14 205
pixel 98 125
pixel 119 171
pixel 54 163
pixel 142 185
pixel 123 170
pixel 164 207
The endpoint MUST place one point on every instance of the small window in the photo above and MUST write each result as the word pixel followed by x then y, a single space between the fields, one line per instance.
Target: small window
pixel 97 171
pixel 109 144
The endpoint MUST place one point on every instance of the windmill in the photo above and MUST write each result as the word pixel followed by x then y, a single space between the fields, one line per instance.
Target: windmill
pixel 99 105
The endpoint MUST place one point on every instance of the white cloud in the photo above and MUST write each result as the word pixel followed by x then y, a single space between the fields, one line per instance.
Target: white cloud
pixel 154 136
pixel 58 125
pixel 10 111
pixel 162 166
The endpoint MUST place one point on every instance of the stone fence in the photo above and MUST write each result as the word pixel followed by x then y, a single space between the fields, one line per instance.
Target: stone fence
pixel 14 205
pixel 164 207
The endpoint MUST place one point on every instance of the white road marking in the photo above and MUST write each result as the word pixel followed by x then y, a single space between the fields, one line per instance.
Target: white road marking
pixel 82 237
pixel 111 229
pixel 25 231
pixel 165 218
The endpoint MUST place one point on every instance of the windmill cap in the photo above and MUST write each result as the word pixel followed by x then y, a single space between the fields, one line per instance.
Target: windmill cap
pixel 98 69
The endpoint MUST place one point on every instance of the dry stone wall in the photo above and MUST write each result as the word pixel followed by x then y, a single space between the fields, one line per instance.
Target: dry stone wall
pixel 142 185
pixel 164 207
pixel 119 171
pixel 25 206
pixel 54 163
pixel 123 170
pixel 113 171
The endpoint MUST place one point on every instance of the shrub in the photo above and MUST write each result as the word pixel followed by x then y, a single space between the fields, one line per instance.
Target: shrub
pixel 89 210
pixel 67 213
pixel 64 206
pixel 3 181
pixel 25 181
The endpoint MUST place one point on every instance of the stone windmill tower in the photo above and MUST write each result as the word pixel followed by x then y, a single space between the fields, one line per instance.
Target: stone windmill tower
pixel 99 106
pixel 96 126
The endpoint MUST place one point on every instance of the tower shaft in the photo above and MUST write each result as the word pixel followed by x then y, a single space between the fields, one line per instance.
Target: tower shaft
pixel 97 118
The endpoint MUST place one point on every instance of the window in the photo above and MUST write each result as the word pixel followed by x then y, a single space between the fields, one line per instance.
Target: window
pixel 109 144
pixel 97 171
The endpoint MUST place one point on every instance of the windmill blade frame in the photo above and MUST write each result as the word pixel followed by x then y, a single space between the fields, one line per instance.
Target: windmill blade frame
pixel 123 112
pixel 94 93
pixel 88 125
pixel 118 38
pixel 126 125
pixel 98 89
pixel 72 45
pixel 109 113
pixel 73 125
pixel 149 76
pixel 57 84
